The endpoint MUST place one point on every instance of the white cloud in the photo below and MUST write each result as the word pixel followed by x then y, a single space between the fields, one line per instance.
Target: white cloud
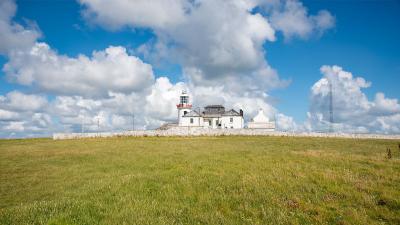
pixel 217 38
pixel 115 111
pixel 109 70
pixel 15 126
pixel 137 13
pixel 7 10
pixel 249 102
pixel 384 106
pixel 6 115
pixel 220 39
pixel 323 21
pixel 22 114
pixel 18 101
pixel 352 110
pixel 286 123
pixel 389 124
pixel 13 35
pixel 161 102
pixel 291 17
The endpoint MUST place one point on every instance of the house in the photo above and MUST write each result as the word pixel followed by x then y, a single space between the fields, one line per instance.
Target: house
pixel 213 116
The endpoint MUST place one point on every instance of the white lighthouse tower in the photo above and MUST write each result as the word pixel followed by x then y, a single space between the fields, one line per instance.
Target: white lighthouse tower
pixel 183 107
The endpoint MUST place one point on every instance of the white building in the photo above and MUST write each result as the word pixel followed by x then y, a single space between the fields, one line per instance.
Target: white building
pixel 213 116
pixel 260 121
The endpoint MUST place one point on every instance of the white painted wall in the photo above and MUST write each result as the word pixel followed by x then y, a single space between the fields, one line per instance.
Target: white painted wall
pixel 225 122
pixel 181 112
pixel 237 122
pixel 265 125
pixel 207 124
pixel 214 123
pixel 197 122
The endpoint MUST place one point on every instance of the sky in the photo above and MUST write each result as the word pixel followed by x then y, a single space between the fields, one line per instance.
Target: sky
pixel 66 62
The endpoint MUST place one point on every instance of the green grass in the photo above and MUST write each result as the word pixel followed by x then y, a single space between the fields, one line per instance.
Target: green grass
pixel 199 180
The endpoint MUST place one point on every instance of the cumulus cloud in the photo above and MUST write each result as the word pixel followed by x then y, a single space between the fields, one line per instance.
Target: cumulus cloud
pixel 161 102
pixel 138 13
pixel 384 106
pixel 109 70
pixel 220 38
pixel 216 38
pixel 116 111
pixel 18 101
pixel 286 123
pixel 249 102
pixel 22 114
pixel 353 111
pixel 13 35
pixel 292 18
pixel 14 126
pixel 6 115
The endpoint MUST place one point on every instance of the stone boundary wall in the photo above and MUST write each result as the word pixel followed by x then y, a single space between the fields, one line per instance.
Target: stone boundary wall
pixel 198 131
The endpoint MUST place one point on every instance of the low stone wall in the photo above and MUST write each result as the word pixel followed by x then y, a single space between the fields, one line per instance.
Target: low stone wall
pixel 198 131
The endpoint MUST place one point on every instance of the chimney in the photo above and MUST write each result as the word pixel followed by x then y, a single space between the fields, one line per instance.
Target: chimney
pixel 241 112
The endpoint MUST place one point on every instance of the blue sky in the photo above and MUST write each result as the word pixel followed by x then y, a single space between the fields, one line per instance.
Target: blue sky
pixel 364 41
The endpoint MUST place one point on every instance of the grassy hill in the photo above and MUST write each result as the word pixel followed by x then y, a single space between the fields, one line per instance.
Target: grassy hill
pixel 202 180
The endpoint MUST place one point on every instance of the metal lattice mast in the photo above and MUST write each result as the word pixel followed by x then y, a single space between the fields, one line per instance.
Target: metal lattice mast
pixel 133 121
pixel 83 124
pixel 330 106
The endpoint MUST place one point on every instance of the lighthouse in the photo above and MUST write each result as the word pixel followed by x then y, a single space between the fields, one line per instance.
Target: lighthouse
pixel 183 107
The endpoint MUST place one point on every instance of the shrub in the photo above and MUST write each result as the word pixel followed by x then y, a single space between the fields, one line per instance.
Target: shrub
pixel 389 153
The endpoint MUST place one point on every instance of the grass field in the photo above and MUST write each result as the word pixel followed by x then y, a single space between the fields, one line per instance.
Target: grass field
pixel 202 180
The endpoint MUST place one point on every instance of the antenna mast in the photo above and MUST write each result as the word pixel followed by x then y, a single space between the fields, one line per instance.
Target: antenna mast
pixel 330 106
pixel 83 124
pixel 133 121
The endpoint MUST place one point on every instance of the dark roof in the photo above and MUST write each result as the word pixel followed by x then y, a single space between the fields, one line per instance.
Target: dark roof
pixel 214 109
pixel 231 112
pixel 214 106
pixel 192 113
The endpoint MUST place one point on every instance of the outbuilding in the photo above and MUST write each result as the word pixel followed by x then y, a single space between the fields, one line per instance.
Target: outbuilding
pixel 261 121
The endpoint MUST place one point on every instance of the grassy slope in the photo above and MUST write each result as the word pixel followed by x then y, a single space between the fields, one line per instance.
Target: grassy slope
pixel 212 180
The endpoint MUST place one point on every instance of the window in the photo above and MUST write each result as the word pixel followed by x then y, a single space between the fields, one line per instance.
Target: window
pixel 184 99
pixel 216 122
pixel 209 123
pixel 231 120
pixel 191 120
pixel 185 112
